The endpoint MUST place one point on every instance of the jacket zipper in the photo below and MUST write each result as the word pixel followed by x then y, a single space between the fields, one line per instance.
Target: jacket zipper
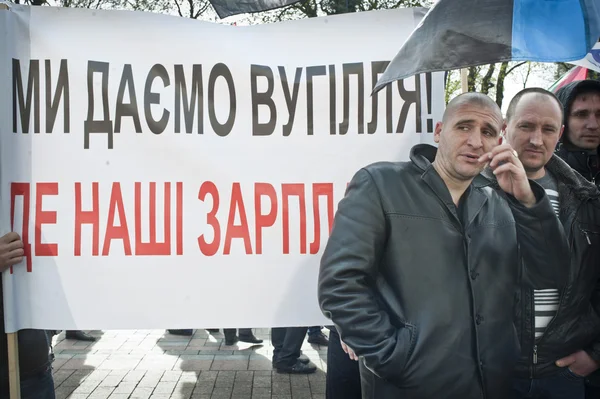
pixel 587 233
pixel 560 300
pixel 535 346
pixel 587 237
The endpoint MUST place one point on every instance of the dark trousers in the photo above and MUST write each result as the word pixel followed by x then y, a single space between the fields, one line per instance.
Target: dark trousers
pixel 343 376
pixel 243 332
pixel 40 386
pixel 592 392
pixel 564 385
pixel 287 342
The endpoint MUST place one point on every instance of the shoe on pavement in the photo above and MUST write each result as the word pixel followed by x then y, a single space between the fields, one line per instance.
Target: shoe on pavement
pixel 231 341
pixel 79 335
pixel 302 359
pixel 251 339
pixel 298 368
pixel 318 339
pixel 185 332
pixel 213 330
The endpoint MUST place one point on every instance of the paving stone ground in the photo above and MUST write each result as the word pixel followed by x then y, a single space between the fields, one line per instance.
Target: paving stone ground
pixel 152 364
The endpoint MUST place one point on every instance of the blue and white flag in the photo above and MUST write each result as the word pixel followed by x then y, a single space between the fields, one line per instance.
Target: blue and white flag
pixel 462 33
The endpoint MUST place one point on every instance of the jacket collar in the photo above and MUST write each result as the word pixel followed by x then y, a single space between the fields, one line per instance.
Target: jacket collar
pixel 580 186
pixel 422 156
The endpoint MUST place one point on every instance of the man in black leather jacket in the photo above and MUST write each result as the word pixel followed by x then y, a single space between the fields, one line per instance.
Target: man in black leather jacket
pixel 581 105
pixel 558 329
pixel 422 264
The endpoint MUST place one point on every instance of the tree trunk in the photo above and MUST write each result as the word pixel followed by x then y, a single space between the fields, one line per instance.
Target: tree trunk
pixel 472 78
pixel 500 83
pixel 486 82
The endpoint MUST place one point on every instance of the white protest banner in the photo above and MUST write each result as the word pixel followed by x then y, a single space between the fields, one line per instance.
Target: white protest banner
pixel 170 173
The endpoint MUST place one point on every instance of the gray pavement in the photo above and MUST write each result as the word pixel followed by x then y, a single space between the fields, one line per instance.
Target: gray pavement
pixel 152 364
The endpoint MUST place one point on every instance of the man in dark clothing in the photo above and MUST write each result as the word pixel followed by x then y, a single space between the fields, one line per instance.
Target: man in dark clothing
pixel 34 347
pixel 424 258
pixel 580 142
pixel 558 329
pixel 579 147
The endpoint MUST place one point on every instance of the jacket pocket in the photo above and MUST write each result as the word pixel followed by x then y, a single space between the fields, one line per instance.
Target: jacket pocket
pixel 407 337
pixel 411 331
pixel 573 335
pixel 391 367
pixel 570 375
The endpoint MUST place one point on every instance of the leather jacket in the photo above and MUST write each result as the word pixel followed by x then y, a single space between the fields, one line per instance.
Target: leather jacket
pixel 576 325
pixel 423 298
pixel 585 163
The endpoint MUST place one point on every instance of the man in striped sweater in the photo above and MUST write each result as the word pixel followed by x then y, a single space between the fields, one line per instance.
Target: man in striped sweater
pixel 558 330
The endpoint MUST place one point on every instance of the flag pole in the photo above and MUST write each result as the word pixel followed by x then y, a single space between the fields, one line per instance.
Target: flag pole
pixel 14 380
pixel 464 80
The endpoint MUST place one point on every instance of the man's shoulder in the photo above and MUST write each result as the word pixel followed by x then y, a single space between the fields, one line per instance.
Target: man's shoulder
pixel 388 168
pixel 564 174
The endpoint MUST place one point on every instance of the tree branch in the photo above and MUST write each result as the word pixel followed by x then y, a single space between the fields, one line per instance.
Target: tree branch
pixel 527 75
pixel 178 8
pixel 191 3
pixel 202 9
pixel 281 13
pixel 515 67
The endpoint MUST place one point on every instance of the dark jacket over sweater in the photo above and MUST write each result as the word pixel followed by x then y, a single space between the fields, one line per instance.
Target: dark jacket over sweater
pixel 586 163
pixel 576 325
pixel 424 300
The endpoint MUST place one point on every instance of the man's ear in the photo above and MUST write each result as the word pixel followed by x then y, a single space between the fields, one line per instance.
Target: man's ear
pixel 502 133
pixel 437 132
pixel 562 130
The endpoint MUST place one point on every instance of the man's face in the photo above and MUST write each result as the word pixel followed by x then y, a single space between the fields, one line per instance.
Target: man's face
pixel 584 121
pixel 468 133
pixel 534 130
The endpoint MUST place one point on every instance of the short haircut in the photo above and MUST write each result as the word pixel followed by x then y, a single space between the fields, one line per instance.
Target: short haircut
pixel 480 99
pixel 510 112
